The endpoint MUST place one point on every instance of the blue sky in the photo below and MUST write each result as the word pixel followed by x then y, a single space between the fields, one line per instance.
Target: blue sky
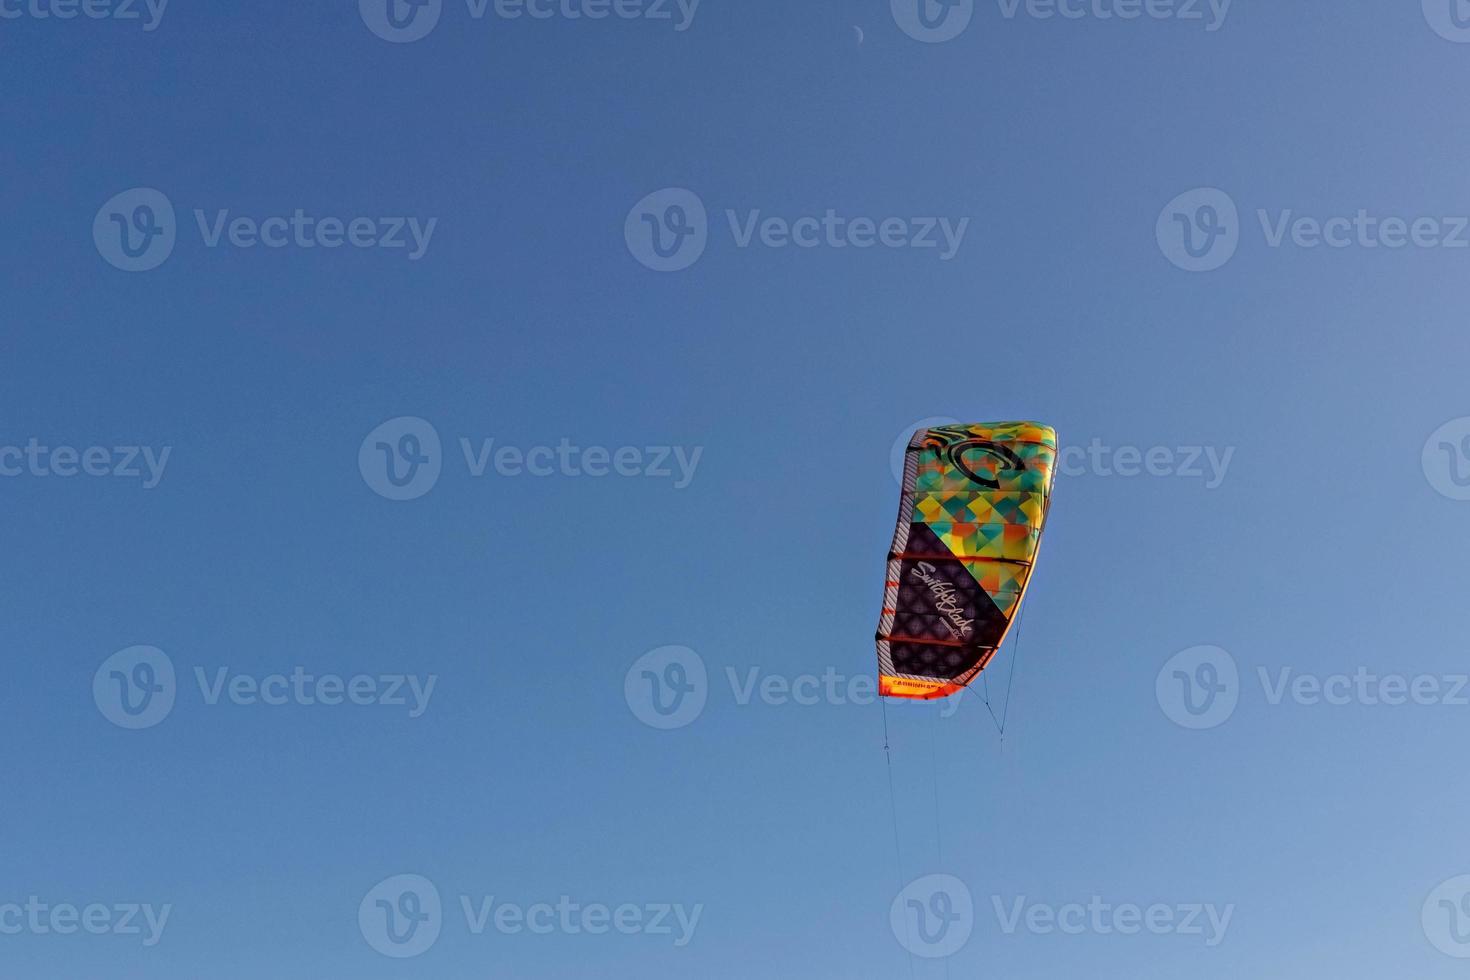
pixel 757 391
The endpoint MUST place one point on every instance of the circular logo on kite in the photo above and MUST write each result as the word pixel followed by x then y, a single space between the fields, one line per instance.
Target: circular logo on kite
pixel 901 444
pixel 401 21
pixel 980 460
pixel 401 459
pixel 667 688
pixel 1446 917
pixel 401 916
pixel 136 231
pixel 933 21
pixel 135 688
pixel 1199 230
pixel 934 916
pixel 1449 20
pixel 1199 688
pixel 668 230
pixel 1447 459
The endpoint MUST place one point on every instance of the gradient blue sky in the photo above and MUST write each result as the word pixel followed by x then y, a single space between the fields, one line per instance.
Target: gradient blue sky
pixel 1324 548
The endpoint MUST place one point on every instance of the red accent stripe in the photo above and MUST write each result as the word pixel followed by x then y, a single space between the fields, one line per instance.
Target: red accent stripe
pixel 894 638
pixel 910 556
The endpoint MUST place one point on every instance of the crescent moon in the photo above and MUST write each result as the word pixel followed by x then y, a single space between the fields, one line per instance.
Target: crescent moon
pixel 860 35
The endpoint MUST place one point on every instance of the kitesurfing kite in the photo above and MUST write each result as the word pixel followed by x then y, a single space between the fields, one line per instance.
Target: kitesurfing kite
pixel 975 499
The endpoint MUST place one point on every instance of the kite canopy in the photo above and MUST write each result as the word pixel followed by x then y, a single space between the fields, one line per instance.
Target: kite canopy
pixel 975 498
